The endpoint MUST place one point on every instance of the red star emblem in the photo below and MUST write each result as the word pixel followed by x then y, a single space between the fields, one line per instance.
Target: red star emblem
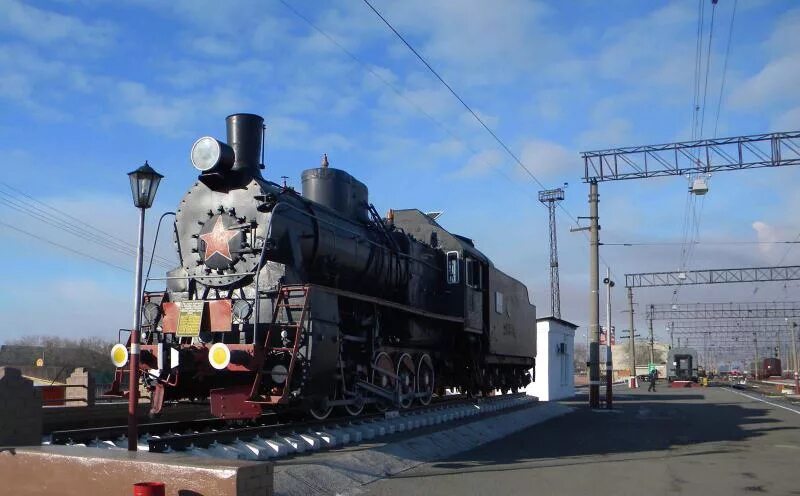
pixel 217 240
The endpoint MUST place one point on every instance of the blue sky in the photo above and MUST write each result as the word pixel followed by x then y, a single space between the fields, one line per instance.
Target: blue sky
pixel 90 89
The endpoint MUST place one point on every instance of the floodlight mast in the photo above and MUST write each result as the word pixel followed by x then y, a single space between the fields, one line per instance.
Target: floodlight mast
pixel 550 198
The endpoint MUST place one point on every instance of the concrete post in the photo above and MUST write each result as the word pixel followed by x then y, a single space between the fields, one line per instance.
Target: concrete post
pixel 594 298
pixel 633 338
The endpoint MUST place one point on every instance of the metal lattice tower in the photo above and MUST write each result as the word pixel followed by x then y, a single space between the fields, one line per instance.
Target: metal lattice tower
pixel 550 198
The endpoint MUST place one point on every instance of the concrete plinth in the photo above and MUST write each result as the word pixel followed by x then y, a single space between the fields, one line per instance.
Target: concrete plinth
pixel 73 471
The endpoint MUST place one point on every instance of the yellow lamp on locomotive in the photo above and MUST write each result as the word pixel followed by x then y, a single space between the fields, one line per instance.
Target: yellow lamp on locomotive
pixel 119 355
pixel 219 356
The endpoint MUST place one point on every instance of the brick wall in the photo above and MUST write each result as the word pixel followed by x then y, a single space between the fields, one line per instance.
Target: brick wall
pixel 20 410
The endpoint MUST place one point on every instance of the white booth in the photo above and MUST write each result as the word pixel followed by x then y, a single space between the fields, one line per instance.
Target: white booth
pixel 555 371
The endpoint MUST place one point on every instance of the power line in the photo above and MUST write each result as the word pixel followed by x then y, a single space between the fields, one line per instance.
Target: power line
pixel 65 221
pixel 63 247
pixel 61 220
pixel 674 243
pixel 725 67
pixel 708 66
pixel 394 88
pixel 458 97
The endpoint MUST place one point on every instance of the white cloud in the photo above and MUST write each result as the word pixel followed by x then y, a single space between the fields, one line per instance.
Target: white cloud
pixel 546 159
pixel 49 28
pixel 767 233
pixel 480 164
pixel 213 46
pixel 774 83
pixel 787 121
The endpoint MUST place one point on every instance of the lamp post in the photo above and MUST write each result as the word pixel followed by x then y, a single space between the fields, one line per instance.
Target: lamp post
pixel 609 365
pixel 793 328
pixel 144 183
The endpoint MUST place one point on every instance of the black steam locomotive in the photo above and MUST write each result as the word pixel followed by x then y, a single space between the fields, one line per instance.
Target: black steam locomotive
pixel 312 300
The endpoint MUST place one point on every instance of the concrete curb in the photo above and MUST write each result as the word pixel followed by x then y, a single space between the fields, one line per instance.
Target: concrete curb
pixel 346 472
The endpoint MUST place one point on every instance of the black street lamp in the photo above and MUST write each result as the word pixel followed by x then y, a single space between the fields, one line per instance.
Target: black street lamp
pixel 144 183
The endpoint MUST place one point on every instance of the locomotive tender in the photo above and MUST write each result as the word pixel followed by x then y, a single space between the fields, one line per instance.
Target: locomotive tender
pixel 312 300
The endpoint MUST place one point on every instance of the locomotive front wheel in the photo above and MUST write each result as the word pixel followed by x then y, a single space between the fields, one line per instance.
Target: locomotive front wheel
pixel 321 408
pixel 406 380
pixel 321 411
pixel 425 379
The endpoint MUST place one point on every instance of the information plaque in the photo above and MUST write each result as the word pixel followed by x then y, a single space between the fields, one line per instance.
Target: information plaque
pixel 191 318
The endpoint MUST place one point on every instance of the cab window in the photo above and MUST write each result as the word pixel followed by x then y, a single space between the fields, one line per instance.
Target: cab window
pixel 453 267
pixel 473 273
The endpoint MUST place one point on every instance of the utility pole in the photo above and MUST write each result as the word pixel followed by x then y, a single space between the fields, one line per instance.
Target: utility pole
pixel 633 338
pixel 609 368
pixel 755 363
pixel 671 334
pixel 793 329
pixel 550 198
pixel 594 297
pixel 652 342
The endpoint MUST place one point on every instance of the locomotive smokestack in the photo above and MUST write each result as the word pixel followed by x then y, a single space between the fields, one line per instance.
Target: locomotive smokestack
pixel 245 135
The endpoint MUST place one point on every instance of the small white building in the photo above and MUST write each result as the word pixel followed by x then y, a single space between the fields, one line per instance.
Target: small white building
pixel 555 371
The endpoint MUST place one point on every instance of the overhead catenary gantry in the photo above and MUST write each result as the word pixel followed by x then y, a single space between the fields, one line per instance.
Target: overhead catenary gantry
pixel 670 159
pixel 693 157
pixel 712 276
pixel 717 311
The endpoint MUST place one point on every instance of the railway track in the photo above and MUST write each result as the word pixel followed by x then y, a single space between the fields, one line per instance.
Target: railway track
pixel 272 438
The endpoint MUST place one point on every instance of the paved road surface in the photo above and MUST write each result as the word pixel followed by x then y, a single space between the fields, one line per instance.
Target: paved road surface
pixel 696 441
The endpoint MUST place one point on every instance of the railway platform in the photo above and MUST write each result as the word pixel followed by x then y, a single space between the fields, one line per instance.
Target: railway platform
pixel 715 440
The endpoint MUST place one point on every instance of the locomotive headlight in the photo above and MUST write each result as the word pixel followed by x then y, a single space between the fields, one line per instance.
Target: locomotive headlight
pixel 242 310
pixel 279 374
pixel 219 356
pixel 119 355
pixel 208 153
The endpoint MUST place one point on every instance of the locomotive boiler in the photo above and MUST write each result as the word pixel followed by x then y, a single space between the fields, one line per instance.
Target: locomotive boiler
pixel 313 300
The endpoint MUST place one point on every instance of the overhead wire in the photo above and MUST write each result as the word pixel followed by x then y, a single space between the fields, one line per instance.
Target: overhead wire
pixel 63 247
pixel 725 67
pixel 29 205
pixel 502 144
pixel 469 109
pixel 32 211
pixel 394 88
pixel 692 214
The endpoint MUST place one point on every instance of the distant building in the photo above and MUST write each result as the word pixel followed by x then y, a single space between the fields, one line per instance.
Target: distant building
pixel 620 356
pixel 47 364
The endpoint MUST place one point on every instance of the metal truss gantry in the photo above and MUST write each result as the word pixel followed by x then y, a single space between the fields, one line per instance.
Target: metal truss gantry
pixel 716 311
pixel 550 198
pixel 692 157
pixel 670 159
pixel 722 326
pixel 712 276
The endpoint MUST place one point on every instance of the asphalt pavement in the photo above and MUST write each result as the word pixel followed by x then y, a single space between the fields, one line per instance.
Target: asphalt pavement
pixel 688 441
